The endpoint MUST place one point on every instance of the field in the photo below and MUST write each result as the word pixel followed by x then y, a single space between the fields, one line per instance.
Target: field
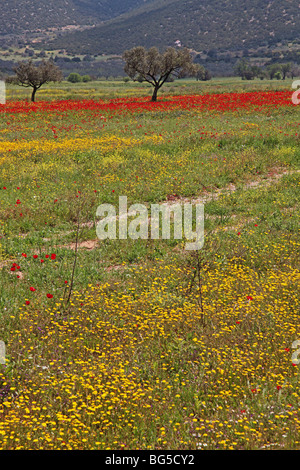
pixel 141 344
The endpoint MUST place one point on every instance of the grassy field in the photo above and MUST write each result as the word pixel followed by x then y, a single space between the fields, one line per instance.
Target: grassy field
pixel 141 344
pixel 107 89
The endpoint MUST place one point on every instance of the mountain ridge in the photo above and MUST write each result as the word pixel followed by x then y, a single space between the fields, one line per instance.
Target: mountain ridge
pixel 197 24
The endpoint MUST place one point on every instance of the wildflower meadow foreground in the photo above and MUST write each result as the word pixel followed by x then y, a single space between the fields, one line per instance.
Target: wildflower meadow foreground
pixel 139 343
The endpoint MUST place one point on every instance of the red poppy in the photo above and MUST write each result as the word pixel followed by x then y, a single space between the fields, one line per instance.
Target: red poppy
pixel 262 100
pixel 27 302
pixel 35 256
pixel 32 289
pixel 50 296
pixel 249 297
pixel 53 256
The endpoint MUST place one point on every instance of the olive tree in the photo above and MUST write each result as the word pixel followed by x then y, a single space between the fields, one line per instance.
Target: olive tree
pixel 156 68
pixel 202 73
pixel 285 69
pixel 34 76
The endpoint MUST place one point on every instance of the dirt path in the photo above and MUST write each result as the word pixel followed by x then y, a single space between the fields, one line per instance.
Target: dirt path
pixel 272 178
pixel 274 175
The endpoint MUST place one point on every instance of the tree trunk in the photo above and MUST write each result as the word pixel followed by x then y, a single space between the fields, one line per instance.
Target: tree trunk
pixel 154 96
pixel 33 94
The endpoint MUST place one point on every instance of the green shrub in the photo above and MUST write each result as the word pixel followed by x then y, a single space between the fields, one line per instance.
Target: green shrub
pixel 74 77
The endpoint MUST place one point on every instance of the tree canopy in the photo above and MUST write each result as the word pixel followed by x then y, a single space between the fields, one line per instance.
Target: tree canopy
pixel 155 67
pixel 34 76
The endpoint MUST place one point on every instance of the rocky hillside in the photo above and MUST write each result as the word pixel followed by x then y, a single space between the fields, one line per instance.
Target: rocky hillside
pixel 197 24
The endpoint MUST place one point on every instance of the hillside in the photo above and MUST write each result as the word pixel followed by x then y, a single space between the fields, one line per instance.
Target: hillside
pixel 18 16
pixel 219 31
pixel 106 9
pixel 200 25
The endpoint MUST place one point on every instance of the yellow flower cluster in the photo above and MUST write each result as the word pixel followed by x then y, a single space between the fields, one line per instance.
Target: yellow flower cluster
pixel 125 349
pixel 105 143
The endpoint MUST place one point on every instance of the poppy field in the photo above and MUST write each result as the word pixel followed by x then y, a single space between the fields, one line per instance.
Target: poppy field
pixel 140 344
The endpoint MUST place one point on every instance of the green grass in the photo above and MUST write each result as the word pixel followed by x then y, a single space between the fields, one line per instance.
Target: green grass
pixel 108 89
pixel 144 356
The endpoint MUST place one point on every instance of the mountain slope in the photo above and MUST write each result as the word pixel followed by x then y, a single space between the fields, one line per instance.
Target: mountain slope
pixel 198 24
pixel 106 9
pixel 18 16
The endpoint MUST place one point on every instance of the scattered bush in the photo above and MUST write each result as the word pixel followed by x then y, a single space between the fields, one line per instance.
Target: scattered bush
pixel 74 77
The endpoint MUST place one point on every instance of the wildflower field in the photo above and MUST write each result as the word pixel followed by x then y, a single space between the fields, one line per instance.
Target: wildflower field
pixel 141 344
